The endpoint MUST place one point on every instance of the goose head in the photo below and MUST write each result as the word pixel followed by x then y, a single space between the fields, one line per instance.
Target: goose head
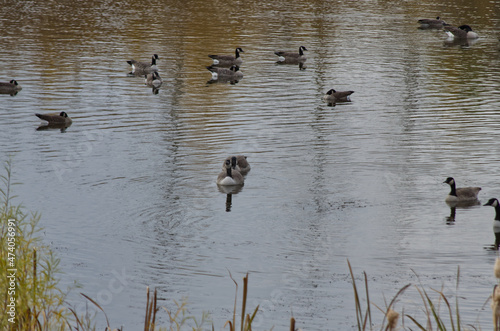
pixel 492 202
pixel 450 181
pixel 465 27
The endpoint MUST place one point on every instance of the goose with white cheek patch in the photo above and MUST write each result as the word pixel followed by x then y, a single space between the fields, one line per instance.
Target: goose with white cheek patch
pixel 496 222
pixel 143 67
pixel 461 194
pixel 228 60
pixel 291 57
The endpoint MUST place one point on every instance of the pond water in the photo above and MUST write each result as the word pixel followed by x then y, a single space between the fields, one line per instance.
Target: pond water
pixel 127 193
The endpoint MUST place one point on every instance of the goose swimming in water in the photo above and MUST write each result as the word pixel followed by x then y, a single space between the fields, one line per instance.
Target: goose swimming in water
pixel 55 118
pixel 427 23
pixel 229 176
pixel 228 60
pixel 462 194
pixel 291 57
pixel 496 222
pixel 462 32
pixel 238 163
pixel 11 87
pixel 143 67
pixel 333 96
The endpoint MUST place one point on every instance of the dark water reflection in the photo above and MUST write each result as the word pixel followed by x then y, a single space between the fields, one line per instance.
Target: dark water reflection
pixel 128 195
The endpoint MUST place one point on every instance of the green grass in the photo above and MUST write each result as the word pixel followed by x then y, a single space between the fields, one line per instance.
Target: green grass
pixel 38 299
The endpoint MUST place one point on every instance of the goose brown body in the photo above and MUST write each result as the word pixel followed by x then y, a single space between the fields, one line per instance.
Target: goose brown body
pixel 427 23
pixel 291 57
pixel 462 32
pixel 230 73
pixel 461 194
pixel 11 87
pixel 333 96
pixel 55 118
pixel 228 60
pixel 144 68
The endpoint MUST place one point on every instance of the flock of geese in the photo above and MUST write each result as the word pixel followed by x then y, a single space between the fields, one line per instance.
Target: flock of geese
pixel 462 32
pixel 227 68
pixel 224 68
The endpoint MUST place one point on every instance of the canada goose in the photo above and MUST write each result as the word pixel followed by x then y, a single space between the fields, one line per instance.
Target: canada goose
pixel 462 32
pixel 55 118
pixel 229 176
pixel 143 67
pixel 232 73
pixel 11 87
pixel 290 57
pixel 427 23
pixel 494 203
pixel 238 163
pixel 228 60
pixel 153 79
pixel 463 194
pixel 333 96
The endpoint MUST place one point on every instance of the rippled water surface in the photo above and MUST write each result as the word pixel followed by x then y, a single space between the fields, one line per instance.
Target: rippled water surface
pixel 127 193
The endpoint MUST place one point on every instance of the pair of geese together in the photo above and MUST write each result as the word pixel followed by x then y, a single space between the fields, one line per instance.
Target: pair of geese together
pixel 148 70
pixel 462 32
pixel 468 196
pixel 221 62
pixel 61 118
pixel 228 66
pixel 233 170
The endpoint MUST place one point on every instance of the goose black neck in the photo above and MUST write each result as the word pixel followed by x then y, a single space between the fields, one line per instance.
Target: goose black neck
pixel 453 189
pixel 497 213
pixel 228 172
pixel 236 53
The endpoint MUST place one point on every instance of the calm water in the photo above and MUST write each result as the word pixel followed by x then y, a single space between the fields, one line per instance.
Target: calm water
pixel 128 196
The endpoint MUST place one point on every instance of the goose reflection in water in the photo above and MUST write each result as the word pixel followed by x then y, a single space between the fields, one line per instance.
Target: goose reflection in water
pixel 301 64
pixel 61 127
pixel 459 42
pixel 462 205
pixel 229 191
pixel 223 80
